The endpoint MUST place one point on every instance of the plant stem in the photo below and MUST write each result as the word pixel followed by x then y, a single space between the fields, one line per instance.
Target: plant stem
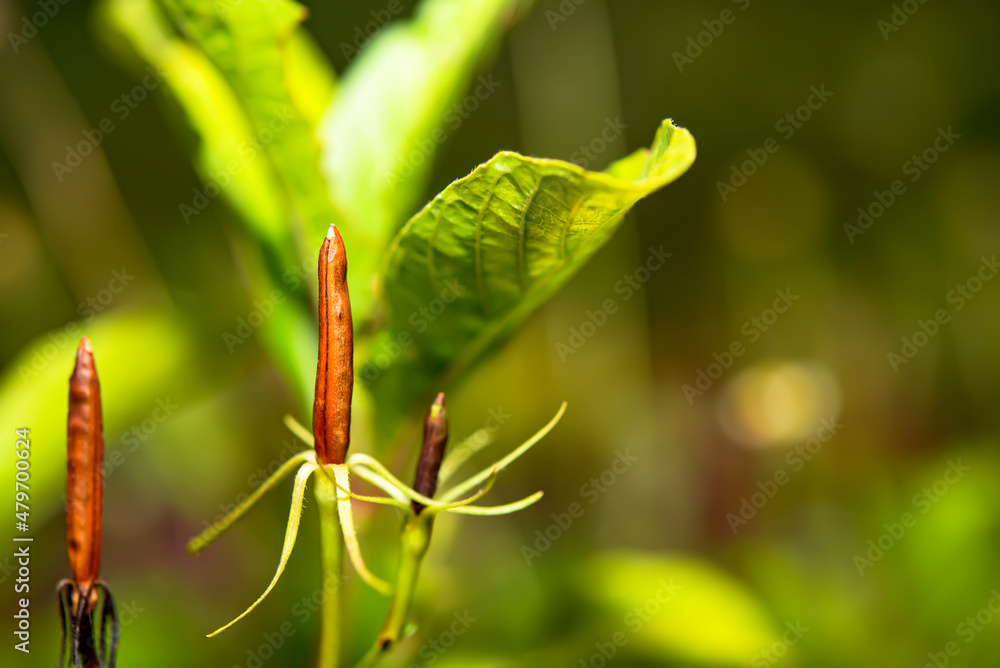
pixel 414 542
pixel 331 548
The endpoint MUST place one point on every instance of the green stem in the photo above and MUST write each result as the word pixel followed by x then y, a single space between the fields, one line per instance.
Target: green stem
pixel 331 548
pixel 414 540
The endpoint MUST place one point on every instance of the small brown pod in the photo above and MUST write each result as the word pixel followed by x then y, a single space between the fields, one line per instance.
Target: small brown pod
pixel 335 369
pixel 90 630
pixel 84 483
pixel 432 452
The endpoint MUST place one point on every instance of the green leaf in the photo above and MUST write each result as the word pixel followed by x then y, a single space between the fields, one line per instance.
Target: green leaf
pixel 392 109
pixel 694 614
pixel 230 101
pixel 489 250
pixel 289 332
pixel 310 80
pixel 214 112
pixel 248 41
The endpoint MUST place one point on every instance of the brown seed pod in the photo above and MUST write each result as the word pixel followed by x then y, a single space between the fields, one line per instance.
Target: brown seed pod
pixel 432 452
pixel 86 628
pixel 335 369
pixel 84 483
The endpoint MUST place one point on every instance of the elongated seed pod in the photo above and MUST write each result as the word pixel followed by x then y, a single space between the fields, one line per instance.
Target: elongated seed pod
pixel 432 452
pixel 335 369
pixel 84 483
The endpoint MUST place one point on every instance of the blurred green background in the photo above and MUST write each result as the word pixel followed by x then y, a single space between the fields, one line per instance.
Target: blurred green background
pixel 830 496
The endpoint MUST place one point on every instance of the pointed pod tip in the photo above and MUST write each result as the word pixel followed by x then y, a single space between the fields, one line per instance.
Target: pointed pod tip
pixel 84 358
pixel 333 243
pixel 438 408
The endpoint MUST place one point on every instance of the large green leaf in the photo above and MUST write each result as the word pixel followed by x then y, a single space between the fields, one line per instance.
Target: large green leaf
pixel 248 41
pixel 310 80
pixel 476 261
pixel 392 109
pixel 232 155
pixel 214 112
